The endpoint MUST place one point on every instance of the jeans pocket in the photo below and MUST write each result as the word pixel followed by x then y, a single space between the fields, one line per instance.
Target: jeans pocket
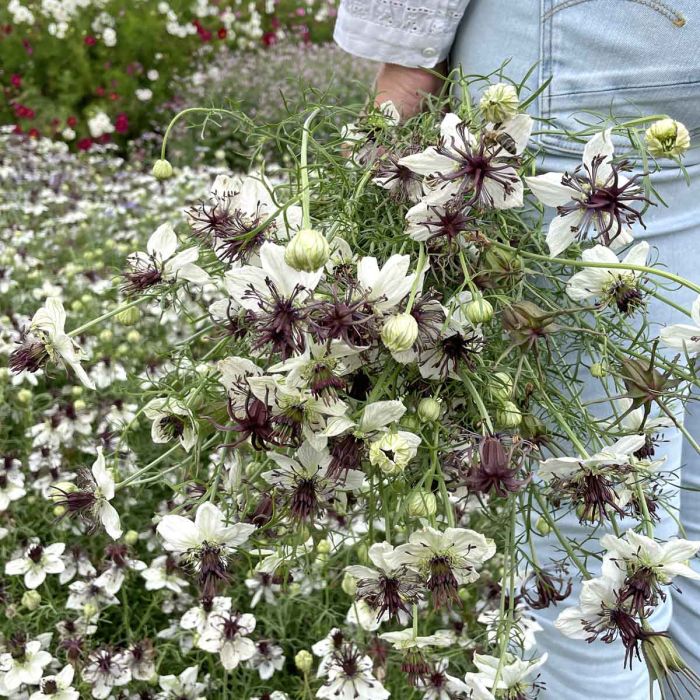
pixel 625 58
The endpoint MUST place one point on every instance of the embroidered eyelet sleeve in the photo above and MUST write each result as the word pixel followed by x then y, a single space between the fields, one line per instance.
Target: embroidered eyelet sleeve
pixel 407 32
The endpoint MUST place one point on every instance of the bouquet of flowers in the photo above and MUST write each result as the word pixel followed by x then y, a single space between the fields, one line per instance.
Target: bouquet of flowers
pixel 411 358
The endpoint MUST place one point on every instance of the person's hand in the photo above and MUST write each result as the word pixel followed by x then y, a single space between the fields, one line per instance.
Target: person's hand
pixel 406 87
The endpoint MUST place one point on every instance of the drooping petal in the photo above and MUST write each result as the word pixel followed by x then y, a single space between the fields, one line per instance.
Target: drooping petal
pixel 163 242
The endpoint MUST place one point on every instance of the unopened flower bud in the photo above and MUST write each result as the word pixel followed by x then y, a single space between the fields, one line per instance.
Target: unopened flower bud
pixel 509 415
pixel 598 370
pixel 349 585
pixel 399 332
pixel 76 391
pixel 304 661
pixel 129 317
pixel 421 504
pixel 478 310
pixel 131 537
pixel 501 387
pixel 308 251
pixel 106 335
pixel 90 610
pixel 24 396
pixel 323 547
pixel 162 170
pixel 79 405
pixel 543 527
pixel 76 305
pixel 59 511
pixel 134 337
pixel 429 410
pixel 499 102
pixel 667 138
pixel 60 488
pixel 31 600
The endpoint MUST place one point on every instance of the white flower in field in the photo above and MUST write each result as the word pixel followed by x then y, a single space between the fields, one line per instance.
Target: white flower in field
pixel 104 671
pixel 86 595
pixel 182 687
pixel 161 263
pixel 241 216
pixel 26 665
pixel 595 196
pixel 171 420
pixel 378 414
pixel 684 336
pixel 143 94
pixel 227 635
pixel 47 340
pixel 513 679
pixel 267 659
pixel 439 685
pixel 141 660
pixel 636 555
pixel 385 287
pixel 598 605
pixel 474 168
pixel 363 616
pixel 57 687
pixel 112 578
pixel 446 559
pixel 11 487
pixel 527 626
pixel 349 677
pixel 305 477
pixel 274 695
pixel 162 573
pixel 36 562
pixel 100 124
pixel 109 36
pixel 182 535
pixel 618 453
pixel 199 617
pixel 610 285
pixel 393 451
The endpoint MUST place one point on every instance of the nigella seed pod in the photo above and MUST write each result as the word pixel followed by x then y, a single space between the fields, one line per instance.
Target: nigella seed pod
pixel 501 387
pixel 308 251
pixel 499 102
pixel 598 370
pixel 429 410
pixel 304 661
pixel 162 170
pixel 421 504
pixel 399 332
pixel 128 317
pixel 509 415
pixel 667 138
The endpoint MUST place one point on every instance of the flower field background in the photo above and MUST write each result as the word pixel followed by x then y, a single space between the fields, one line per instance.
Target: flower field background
pixel 291 400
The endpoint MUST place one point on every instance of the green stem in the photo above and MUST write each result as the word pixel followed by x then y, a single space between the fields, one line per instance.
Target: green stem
pixel 189 110
pixel 305 192
pixel 109 314
pixel 478 401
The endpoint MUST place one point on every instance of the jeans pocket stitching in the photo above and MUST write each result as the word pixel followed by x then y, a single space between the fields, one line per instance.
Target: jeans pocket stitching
pixel 662 8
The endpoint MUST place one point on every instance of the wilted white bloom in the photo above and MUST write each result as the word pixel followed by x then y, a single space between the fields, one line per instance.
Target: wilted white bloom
pixel 393 451
pixel 667 138
pixel 499 102
pixel 36 562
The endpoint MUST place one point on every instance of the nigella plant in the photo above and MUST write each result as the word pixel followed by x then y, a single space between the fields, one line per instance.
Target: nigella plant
pixel 350 429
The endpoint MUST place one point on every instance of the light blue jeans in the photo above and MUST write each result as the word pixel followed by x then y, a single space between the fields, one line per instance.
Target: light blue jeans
pixel 628 58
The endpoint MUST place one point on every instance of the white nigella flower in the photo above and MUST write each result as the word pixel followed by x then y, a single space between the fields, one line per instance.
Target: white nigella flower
pixel 227 635
pixel 104 671
pixel 36 562
pixel 233 222
pixel 267 659
pixel 112 578
pixel 273 293
pixel 474 168
pixel 206 542
pixel 160 263
pixel 403 640
pixel 305 478
pixel 684 336
pixel 595 196
pixel 182 687
pixel 47 340
pixel 92 501
pixel 446 559
pixel 162 573
pixel 617 453
pixel 439 685
pixel 199 617
pixel 58 687
pixel 349 677
pixel 641 557
pixel 11 487
pixel 25 664
pixel 513 680
pixel 610 285
pixel 171 420
pixel 392 452
pixel 385 287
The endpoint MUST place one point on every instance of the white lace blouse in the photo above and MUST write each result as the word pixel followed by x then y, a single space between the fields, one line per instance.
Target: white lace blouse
pixel 408 32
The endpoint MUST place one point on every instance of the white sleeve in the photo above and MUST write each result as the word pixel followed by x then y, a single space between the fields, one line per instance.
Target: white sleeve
pixel 408 32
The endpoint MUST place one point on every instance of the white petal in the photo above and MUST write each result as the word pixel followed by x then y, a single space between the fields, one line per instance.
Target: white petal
pixel 562 233
pixel 549 190
pixel 163 242
pixel 179 534
pixel 110 520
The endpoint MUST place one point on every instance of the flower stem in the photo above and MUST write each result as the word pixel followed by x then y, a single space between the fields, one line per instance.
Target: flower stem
pixel 304 163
